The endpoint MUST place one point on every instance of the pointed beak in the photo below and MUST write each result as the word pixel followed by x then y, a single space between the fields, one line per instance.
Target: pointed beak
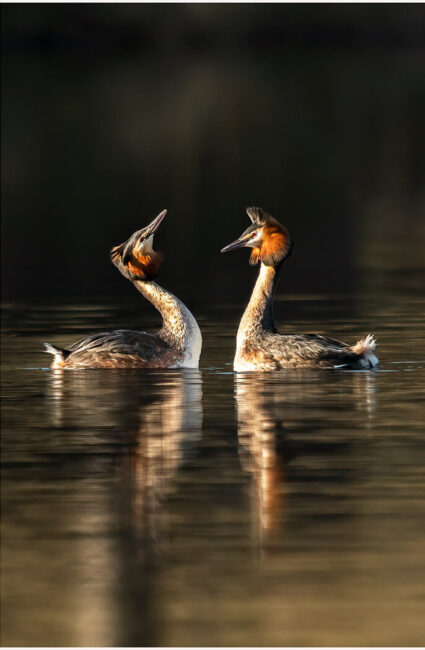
pixel 238 243
pixel 153 227
pixel 139 238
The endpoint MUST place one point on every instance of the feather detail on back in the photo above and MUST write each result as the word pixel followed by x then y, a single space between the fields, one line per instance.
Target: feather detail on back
pixel 117 349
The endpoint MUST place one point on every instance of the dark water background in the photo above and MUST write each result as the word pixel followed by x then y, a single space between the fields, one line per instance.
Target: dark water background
pixel 208 507
pixel 111 113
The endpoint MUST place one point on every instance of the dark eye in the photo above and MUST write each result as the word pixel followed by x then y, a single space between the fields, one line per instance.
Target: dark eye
pixel 253 234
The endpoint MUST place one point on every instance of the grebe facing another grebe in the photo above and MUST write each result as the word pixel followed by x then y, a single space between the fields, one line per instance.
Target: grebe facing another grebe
pixel 177 344
pixel 259 346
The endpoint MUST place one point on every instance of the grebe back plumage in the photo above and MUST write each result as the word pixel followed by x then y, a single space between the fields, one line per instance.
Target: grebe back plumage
pixel 259 346
pixel 177 344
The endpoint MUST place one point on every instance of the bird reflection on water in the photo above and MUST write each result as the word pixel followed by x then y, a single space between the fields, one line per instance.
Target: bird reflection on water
pixel 157 428
pixel 271 433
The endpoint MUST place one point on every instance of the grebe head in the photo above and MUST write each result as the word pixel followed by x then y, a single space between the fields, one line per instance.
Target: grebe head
pixel 135 258
pixel 269 240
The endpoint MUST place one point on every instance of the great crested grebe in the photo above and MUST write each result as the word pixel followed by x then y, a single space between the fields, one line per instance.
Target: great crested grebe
pixel 177 344
pixel 259 346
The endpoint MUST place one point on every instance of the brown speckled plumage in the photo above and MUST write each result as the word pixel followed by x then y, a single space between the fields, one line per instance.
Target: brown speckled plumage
pixel 272 351
pixel 119 349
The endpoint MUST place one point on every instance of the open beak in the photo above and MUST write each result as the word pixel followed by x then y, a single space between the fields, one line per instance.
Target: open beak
pixel 238 243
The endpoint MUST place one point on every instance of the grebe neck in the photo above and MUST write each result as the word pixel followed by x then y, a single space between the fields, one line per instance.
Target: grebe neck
pixel 179 329
pixel 259 314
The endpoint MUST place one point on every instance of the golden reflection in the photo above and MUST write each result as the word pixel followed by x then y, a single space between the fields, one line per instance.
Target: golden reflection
pixel 167 434
pixel 55 392
pixel 260 435
pixel 364 392
pixel 132 432
pixel 155 420
pixel 281 416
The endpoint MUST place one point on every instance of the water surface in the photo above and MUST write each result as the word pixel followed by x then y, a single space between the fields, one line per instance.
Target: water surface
pixel 210 507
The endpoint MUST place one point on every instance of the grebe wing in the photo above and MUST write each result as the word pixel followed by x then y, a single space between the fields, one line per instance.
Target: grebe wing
pixel 123 342
pixel 314 348
pixel 330 352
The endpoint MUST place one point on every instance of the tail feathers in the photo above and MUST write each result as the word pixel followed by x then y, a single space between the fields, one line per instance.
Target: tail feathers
pixel 365 346
pixel 59 353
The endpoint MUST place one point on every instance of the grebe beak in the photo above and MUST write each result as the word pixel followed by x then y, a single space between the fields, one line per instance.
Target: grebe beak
pixel 238 243
pixel 142 237
pixel 138 240
pixel 153 227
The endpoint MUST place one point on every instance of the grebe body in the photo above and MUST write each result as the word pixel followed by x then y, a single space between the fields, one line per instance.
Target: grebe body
pixel 258 345
pixel 177 344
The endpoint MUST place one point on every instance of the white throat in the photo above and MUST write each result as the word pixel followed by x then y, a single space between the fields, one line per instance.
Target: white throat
pixel 190 336
pixel 253 322
pixel 251 319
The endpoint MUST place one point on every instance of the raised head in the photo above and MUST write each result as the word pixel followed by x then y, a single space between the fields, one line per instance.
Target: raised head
pixel 269 240
pixel 135 258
